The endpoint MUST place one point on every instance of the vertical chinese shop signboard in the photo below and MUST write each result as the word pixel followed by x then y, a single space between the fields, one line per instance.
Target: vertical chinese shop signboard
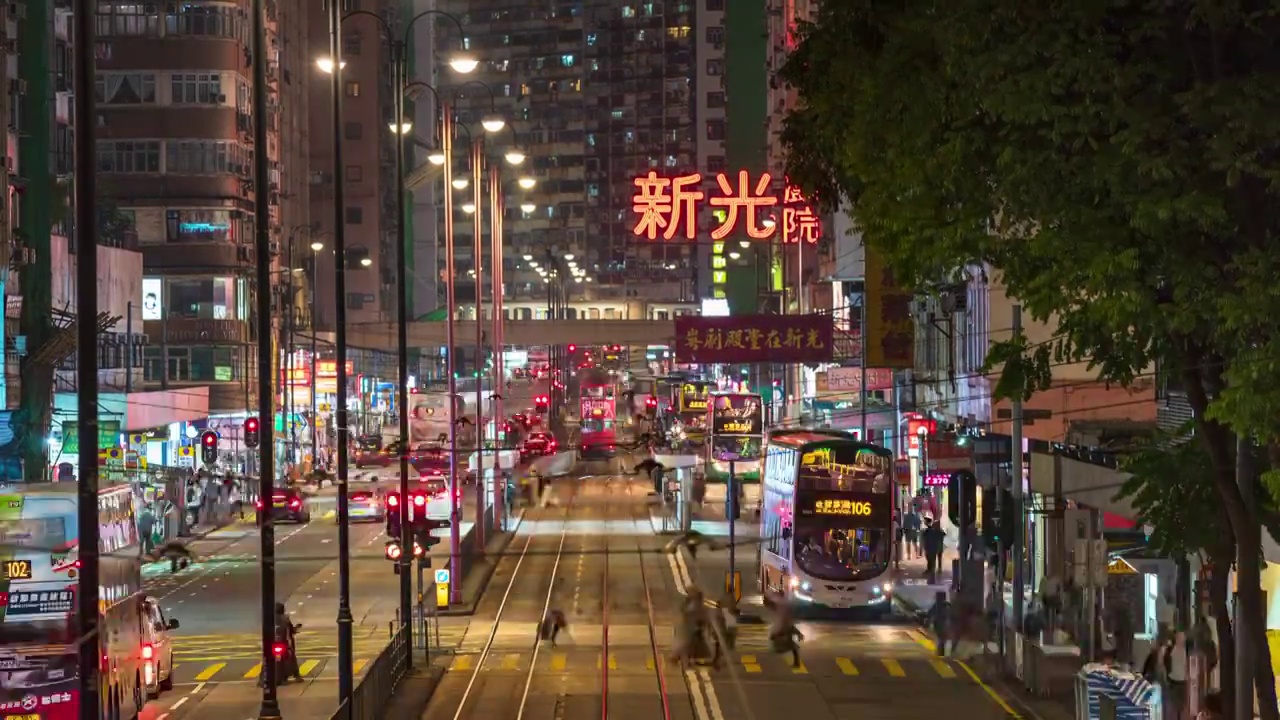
pixel 753 338
pixel 889 337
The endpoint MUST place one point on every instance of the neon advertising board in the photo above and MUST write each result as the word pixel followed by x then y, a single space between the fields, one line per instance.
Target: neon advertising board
pixel 668 206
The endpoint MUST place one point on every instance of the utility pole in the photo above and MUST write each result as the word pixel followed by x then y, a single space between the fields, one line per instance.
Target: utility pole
pixel 86 232
pixel 270 708
pixel 1015 476
pixel 346 679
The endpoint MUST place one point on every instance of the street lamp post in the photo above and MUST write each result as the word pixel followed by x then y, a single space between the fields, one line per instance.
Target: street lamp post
pixel 451 367
pixel 85 181
pixel 316 247
pixel 270 707
pixel 346 679
pixel 477 189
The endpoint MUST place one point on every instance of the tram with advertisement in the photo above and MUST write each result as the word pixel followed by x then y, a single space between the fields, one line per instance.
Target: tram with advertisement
pixel 826 520
pixel 736 421
pixel 39 656
pixel 597 420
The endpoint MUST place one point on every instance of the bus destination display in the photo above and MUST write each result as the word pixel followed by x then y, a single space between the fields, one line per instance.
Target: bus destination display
pixel 862 508
pixel 15 570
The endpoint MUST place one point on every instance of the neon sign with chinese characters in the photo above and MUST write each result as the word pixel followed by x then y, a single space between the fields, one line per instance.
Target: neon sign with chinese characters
pixel 667 206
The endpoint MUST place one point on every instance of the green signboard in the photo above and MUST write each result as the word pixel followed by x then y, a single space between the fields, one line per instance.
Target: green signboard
pixel 108 435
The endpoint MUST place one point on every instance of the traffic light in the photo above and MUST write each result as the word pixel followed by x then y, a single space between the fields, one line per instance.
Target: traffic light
pixel 651 405
pixel 422 537
pixel 209 447
pixel 541 402
pixel 998 517
pixel 962 494
pixel 252 435
pixel 572 348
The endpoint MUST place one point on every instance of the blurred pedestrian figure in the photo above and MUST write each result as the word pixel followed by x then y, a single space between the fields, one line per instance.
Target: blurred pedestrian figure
pixel 911 532
pixel 939 620
pixel 932 540
pixel 552 624
pixel 1176 666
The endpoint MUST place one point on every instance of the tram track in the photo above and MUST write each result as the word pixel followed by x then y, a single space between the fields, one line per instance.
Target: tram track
pixel 469 693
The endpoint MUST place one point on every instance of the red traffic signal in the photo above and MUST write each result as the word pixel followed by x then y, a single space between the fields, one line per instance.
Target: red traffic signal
pixel 209 447
pixel 252 436
pixel 572 348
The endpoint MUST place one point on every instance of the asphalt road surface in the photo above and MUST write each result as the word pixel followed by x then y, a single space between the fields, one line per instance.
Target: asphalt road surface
pixel 582 559
pixel 217 649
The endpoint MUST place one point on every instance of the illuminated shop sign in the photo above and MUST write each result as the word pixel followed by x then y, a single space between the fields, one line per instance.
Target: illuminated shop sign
pixel 669 205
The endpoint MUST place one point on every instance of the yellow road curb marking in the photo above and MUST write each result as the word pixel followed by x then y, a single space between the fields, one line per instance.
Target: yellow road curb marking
pixel 210 671
pixel 893 667
pixel 846 666
pixel 942 667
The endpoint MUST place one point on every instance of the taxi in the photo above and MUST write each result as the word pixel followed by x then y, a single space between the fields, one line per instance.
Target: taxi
pixel 366 506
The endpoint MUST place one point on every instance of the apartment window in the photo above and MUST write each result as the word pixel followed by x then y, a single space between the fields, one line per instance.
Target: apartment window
pixel 196 89
pixel 201 157
pixel 354 173
pixel 715 34
pixel 715 5
pixel 715 129
pixel 715 99
pixel 352 131
pixel 353 89
pixel 351 45
pixel 127 18
pixel 715 164
pixel 354 216
pixel 715 67
pixel 194 18
pixel 125 88
pixel 128 156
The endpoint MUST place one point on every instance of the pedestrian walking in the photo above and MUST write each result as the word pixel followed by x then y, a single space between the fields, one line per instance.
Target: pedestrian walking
pixel 552 624
pixel 932 540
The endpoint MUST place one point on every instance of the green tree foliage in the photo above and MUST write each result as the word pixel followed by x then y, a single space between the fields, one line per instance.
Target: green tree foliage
pixel 1114 162
pixel 1171 489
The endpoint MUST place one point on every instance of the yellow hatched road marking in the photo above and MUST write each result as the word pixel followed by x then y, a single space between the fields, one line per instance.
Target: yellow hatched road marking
pixel 750 664
pixel 210 671
pixel 305 668
pixel 894 667
pixel 558 661
pixel 942 667
pixel 461 663
pixel 613 662
pixel 846 666
pixel 510 661
pixel 359 666
pixel 648 663
pixel 254 672
pixel 800 669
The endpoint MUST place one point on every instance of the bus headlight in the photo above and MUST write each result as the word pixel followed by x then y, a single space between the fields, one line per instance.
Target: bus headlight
pixel 875 590
pixel 806 587
pixel 888 587
pixel 794 583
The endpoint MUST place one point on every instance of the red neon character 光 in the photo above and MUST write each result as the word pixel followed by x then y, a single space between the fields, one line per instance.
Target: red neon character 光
pixel 743 198
pixel 662 203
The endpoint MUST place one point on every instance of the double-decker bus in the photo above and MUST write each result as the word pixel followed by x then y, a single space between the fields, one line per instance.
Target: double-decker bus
pixel 39 656
pixel 597 419
pixel 827 520
pixel 736 423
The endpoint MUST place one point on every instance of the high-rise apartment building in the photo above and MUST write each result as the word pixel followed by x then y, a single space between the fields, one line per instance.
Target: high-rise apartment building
pixel 175 159
pixel 368 161
pixel 599 92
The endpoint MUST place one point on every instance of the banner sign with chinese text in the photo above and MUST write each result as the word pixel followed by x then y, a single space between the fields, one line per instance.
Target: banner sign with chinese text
pixel 753 338
pixel 668 206
pixel 890 339
pixel 849 380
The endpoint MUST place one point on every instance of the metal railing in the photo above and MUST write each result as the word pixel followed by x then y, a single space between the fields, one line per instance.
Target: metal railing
pixel 373 693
